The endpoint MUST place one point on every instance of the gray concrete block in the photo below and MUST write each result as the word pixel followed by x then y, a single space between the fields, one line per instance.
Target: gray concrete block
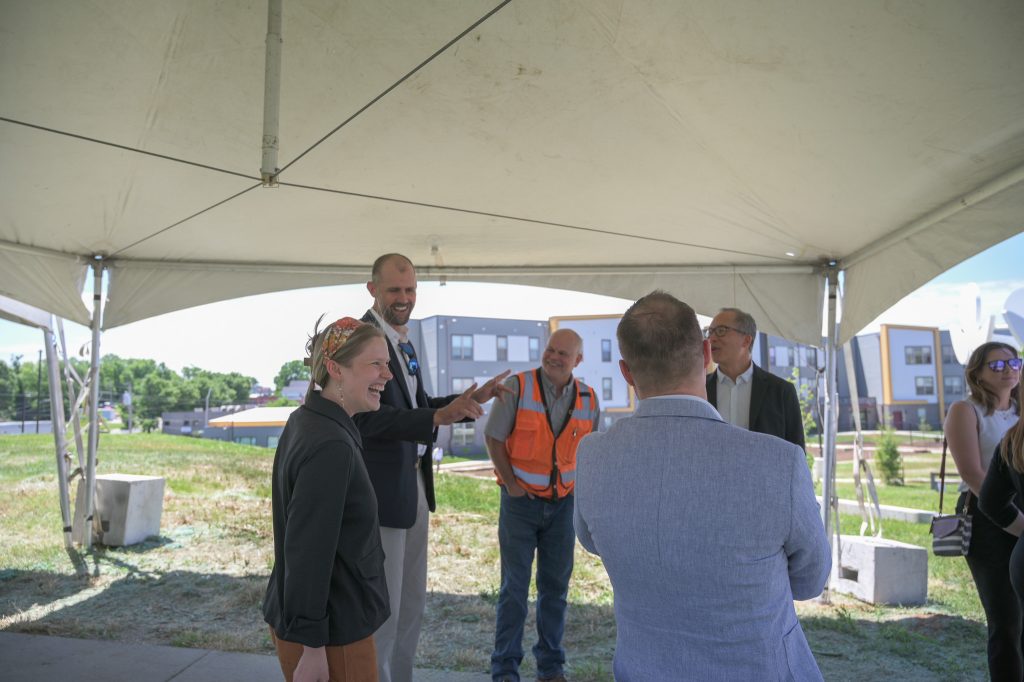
pixel 129 508
pixel 880 571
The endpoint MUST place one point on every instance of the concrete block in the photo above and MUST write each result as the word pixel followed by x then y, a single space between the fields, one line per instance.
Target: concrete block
pixel 129 508
pixel 881 571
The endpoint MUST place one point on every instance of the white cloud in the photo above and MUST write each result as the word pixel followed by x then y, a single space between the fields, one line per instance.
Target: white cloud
pixel 939 305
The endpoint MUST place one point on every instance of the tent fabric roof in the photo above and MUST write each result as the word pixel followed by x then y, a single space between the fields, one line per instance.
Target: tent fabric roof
pixel 608 146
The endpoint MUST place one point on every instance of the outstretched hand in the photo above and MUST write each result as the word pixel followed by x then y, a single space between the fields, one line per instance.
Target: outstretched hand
pixel 495 388
pixel 463 407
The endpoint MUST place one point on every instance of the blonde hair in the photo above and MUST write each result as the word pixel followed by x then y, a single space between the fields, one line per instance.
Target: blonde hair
pixel 351 345
pixel 982 394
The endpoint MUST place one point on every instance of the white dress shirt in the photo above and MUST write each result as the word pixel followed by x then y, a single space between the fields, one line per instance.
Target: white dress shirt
pixel 411 380
pixel 734 397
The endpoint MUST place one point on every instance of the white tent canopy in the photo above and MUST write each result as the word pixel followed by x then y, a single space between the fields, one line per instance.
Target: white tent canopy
pixel 721 150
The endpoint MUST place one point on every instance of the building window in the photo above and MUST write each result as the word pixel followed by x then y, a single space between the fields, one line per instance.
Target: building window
pixel 463 435
pixel 502 349
pixel 534 348
pixel 606 350
pixel 924 385
pixel 460 384
pixel 918 355
pixel 953 385
pixel 922 418
pixel 606 388
pixel 272 441
pixel 462 347
pixel 948 356
pixel 783 356
pixel 245 440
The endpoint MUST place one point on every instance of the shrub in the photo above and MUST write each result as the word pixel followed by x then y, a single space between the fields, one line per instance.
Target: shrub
pixel 888 458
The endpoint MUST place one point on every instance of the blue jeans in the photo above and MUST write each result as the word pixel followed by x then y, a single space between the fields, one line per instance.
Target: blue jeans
pixel 525 526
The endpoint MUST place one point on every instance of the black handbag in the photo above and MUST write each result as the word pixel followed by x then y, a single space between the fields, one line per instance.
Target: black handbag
pixel 951 533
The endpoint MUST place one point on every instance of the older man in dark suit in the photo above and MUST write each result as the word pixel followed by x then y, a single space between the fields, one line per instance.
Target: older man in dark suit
pixel 395 439
pixel 743 393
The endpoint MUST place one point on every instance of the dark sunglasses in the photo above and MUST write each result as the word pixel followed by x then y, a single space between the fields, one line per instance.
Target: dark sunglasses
pixel 409 353
pixel 999 365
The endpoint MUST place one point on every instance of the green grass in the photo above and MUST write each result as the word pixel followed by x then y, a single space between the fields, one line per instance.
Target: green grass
pixel 462 494
pixel 916 494
pixel 194 469
pixel 200 583
pixel 923 438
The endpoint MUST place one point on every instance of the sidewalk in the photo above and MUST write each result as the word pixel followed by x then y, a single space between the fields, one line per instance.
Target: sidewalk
pixel 39 658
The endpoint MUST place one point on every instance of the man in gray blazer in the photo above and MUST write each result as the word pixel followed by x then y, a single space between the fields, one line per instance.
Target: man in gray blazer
pixel 708 531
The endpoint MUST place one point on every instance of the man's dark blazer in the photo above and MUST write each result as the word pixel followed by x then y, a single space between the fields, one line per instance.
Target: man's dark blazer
pixel 774 405
pixel 390 436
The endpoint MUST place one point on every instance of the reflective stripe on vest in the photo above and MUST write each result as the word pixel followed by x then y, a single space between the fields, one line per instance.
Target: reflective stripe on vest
pixel 545 466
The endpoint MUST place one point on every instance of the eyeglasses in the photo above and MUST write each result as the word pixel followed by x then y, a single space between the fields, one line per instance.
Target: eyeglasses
pixel 409 353
pixel 720 331
pixel 999 365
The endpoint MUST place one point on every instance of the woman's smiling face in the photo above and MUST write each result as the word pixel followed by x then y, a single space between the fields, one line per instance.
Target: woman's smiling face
pixel 363 380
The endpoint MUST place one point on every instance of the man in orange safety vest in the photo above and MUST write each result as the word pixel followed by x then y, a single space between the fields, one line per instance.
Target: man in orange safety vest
pixel 532 441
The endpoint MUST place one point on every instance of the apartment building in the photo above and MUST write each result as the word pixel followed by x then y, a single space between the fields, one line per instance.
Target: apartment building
pixel 458 351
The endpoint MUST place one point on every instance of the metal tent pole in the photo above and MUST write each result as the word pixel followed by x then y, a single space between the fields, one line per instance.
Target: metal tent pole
pixel 831 404
pixel 59 429
pixel 272 95
pixel 94 403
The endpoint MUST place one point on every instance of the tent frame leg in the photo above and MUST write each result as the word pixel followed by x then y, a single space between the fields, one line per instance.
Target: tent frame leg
pixel 829 503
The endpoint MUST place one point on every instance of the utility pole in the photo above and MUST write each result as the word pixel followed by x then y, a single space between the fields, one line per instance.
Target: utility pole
pixel 126 400
pixel 39 386
pixel 206 410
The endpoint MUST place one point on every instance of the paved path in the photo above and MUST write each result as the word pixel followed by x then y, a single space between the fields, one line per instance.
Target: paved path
pixel 39 658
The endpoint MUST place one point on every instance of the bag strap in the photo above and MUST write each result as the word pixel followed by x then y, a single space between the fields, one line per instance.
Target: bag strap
pixel 942 475
pixel 942 480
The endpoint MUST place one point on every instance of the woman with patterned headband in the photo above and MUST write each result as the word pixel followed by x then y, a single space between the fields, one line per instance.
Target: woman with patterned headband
pixel 327 594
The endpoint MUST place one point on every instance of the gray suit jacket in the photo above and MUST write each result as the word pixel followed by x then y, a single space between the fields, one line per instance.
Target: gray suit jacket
pixel 708 532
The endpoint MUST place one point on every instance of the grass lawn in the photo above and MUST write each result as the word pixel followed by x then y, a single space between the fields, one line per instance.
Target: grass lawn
pixel 199 584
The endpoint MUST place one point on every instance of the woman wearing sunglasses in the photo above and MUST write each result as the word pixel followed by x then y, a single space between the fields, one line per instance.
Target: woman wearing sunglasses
pixel 974 428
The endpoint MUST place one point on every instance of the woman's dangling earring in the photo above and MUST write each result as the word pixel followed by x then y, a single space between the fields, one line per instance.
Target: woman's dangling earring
pixel 341 396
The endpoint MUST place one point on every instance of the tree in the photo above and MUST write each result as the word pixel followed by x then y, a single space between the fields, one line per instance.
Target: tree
pixel 803 394
pixel 888 458
pixel 293 369
pixel 8 391
pixel 224 389
pixel 157 394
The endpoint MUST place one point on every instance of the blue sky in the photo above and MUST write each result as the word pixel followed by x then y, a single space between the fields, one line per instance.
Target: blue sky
pixel 222 337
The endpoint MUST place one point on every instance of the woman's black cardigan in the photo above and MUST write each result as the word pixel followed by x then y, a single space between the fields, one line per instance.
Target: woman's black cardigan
pixel 328 585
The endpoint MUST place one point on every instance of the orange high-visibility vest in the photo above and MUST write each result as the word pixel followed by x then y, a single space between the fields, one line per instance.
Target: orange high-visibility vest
pixel 544 464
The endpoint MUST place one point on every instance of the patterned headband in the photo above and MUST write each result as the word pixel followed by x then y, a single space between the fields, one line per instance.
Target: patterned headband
pixel 337 334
